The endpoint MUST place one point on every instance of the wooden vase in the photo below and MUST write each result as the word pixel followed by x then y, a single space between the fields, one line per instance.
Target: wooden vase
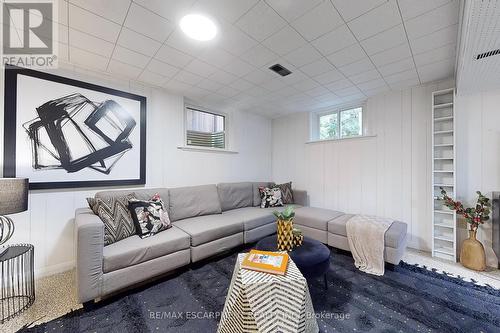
pixel 285 235
pixel 472 253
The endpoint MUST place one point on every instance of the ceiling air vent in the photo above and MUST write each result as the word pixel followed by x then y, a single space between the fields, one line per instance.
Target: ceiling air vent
pixel 280 70
pixel 487 54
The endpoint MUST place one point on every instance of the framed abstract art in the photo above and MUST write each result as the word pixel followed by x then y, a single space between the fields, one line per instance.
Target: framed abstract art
pixel 65 133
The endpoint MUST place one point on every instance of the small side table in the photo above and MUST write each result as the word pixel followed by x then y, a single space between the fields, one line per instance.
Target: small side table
pixel 17 280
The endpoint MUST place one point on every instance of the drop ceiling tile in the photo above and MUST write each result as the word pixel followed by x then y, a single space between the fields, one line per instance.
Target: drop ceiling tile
pixel 348 91
pixel 438 54
pixel 188 77
pixel 376 91
pixel 209 85
pixel 375 21
pixel 242 84
pixel 152 78
pixel 223 77
pixel 114 10
pixel 130 57
pixel 290 10
pixel 200 67
pixel 402 76
pixel 216 56
pixel 258 55
pixel 412 8
pixel 303 55
pixel 400 85
pixel 228 91
pixel 177 86
pixel 339 85
pixel 257 91
pixel 157 27
pixel 318 21
pixel 328 77
pixel 432 21
pixel 238 67
pixel 316 68
pixel 229 10
pixel 261 21
pixel 258 76
pixel 90 43
pixel 87 59
pixel 121 69
pixel 197 92
pixel 373 84
pixel 181 42
pixel 334 41
pixel 434 40
pixel 284 41
pixel 436 71
pixel 171 10
pixel 235 41
pixel 294 77
pixel 173 56
pixel 347 56
pixel 274 84
pixel 327 97
pixel 92 24
pixel 397 67
pixel 365 76
pixel 392 55
pixel 385 40
pixel 287 91
pixel 306 84
pixel 162 68
pixel 357 67
pixel 318 91
pixel 137 42
pixel 350 9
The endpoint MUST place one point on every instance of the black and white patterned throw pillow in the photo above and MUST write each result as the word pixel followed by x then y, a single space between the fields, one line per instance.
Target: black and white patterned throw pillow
pixel 150 217
pixel 270 197
pixel 114 213
pixel 286 192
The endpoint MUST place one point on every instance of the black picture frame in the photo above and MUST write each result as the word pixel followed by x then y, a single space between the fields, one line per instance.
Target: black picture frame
pixel 10 112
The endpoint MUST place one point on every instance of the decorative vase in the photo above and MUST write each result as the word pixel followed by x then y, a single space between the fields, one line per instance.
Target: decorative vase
pixel 472 253
pixel 298 238
pixel 285 235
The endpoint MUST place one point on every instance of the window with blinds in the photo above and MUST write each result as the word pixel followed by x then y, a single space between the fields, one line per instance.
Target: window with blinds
pixel 205 129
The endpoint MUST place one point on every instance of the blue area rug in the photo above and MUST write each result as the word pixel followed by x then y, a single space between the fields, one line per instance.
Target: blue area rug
pixel 406 299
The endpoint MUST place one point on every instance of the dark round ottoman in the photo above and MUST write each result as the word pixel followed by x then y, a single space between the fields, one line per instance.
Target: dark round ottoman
pixel 312 258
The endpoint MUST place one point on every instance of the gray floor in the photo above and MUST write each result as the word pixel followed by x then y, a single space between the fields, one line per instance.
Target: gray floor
pixel 56 294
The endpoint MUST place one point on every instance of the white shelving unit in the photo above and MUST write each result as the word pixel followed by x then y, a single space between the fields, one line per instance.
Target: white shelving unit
pixel 444 226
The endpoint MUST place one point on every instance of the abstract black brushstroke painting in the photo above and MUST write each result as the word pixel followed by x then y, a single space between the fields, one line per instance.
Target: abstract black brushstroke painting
pixel 85 136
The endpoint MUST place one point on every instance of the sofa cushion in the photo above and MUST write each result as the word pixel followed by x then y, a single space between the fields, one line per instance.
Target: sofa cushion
pixel 316 218
pixel 134 250
pixel 394 236
pixel 256 193
pixel 203 229
pixel 186 202
pixel 235 195
pixel 253 217
pixel 286 192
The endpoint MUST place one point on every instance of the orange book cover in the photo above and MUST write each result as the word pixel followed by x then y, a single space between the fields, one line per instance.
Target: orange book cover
pixel 266 261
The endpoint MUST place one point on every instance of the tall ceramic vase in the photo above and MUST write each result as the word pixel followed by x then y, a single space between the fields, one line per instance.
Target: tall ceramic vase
pixel 285 235
pixel 472 253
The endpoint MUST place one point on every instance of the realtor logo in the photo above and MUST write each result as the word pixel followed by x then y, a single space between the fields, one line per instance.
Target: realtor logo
pixel 29 33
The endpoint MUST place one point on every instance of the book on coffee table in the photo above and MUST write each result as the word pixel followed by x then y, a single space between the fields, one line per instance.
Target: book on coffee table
pixel 266 261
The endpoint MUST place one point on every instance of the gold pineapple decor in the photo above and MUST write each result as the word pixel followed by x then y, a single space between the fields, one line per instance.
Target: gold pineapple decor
pixel 285 237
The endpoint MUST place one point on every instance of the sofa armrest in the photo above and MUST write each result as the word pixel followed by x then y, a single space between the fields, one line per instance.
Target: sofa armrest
pixel 89 237
pixel 300 197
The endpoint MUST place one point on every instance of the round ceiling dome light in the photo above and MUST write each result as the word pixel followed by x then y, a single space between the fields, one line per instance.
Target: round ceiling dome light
pixel 198 27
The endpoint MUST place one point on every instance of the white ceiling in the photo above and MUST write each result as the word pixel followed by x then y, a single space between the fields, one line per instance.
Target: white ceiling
pixel 338 51
pixel 480 32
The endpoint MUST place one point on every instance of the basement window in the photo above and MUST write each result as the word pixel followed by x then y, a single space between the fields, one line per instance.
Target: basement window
pixel 205 129
pixel 340 124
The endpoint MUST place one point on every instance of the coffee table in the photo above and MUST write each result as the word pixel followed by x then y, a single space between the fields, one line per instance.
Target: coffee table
pixel 312 257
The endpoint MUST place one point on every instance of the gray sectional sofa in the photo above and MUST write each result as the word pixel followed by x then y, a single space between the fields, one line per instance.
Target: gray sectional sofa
pixel 207 220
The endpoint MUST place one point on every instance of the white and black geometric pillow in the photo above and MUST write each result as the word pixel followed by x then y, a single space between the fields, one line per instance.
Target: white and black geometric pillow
pixel 114 213
pixel 270 197
pixel 286 192
pixel 150 217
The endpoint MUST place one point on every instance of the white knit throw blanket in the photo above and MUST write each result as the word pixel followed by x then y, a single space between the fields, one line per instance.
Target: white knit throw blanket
pixel 365 235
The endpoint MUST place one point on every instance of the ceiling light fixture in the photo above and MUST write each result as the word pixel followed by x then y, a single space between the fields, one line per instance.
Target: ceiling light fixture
pixel 198 27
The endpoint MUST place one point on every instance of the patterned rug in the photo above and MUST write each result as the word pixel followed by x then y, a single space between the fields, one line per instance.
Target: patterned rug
pixel 406 299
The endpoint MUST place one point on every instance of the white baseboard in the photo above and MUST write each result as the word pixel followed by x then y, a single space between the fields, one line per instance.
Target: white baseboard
pixel 54 269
